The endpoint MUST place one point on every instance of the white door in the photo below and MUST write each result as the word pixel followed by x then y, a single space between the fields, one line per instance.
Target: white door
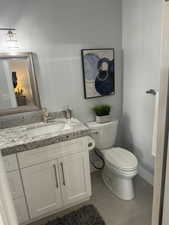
pixel 165 197
pixel 165 215
pixel 75 177
pixel 42 188
pixel 160 202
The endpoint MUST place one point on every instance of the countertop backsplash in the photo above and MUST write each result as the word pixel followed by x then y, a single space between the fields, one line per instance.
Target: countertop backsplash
pixel 21 119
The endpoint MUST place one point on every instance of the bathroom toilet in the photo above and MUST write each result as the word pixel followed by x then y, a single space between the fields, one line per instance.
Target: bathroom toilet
pixel 120 164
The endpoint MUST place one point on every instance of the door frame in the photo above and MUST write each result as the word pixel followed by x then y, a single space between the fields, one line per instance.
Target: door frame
pixel 163 116
pixel 165 215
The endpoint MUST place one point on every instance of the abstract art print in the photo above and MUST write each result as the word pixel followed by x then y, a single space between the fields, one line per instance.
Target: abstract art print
pixel 98 72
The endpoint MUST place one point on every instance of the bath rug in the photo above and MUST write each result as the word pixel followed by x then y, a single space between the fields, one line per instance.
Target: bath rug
pixel 87 215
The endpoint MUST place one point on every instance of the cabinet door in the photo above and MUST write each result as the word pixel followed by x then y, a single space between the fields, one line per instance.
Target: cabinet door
pixel 21 210
pixel 42 188
pixel 75 177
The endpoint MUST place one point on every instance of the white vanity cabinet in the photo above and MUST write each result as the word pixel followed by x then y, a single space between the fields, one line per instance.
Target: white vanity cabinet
pixel 55 176
pixel 75 177
pixel 49 179
pixel 15 183
pixel 42 188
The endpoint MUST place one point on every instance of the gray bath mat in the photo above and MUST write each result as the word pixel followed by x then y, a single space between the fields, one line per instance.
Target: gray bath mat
pixel 87 215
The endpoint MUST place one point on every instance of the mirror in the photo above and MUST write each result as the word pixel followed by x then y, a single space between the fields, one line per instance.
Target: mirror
pixel 18 85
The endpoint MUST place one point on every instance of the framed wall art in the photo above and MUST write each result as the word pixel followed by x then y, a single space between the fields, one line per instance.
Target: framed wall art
pixel 98 72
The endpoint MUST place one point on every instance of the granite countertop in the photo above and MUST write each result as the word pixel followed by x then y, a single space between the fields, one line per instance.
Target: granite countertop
pixel 27 137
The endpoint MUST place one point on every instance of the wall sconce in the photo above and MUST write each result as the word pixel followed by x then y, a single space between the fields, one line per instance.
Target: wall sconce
pixel 11 39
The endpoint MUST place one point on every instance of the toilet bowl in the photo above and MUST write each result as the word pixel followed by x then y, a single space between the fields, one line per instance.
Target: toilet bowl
pixel 120 169
pixel 120 164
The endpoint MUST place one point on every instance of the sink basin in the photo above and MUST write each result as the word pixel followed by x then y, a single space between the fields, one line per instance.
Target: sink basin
pixel 52 128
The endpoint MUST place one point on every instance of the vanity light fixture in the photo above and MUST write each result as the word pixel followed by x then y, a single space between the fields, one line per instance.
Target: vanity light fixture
pixel 11 39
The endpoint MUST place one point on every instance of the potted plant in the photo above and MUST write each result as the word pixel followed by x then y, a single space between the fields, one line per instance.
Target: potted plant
pixel 102 113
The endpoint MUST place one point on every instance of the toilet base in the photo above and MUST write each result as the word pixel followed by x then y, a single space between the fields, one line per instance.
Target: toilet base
pixel 120 186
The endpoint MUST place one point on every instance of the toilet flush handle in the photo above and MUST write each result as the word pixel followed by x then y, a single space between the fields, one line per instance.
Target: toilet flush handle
pixel 151 92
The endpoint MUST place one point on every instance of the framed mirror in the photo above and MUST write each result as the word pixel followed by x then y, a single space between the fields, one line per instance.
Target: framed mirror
pixel 18 83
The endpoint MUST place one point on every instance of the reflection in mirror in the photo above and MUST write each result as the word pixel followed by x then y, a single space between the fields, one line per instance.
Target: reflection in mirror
pixel 18 88
pixel 15 83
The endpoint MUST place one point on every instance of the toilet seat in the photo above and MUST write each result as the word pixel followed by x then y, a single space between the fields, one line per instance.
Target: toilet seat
pixel 121 159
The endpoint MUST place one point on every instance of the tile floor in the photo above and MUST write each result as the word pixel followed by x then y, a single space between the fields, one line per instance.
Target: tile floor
pixel 115 211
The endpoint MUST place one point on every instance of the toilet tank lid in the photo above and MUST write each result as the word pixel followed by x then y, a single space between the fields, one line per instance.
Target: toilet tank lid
pixel 94 125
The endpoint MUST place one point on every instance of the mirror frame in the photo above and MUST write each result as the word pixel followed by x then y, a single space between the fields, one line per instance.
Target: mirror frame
pixel 33 81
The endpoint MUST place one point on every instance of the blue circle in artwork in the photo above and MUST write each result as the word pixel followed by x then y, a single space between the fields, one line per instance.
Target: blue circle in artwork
pixel 104 87
pixel 90 65
pixel 104 82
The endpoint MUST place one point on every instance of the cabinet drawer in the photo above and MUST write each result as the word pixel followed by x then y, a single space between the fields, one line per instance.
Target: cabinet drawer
pixel 15 184
pixel 10 163
pixel 21 210
pixel 51 152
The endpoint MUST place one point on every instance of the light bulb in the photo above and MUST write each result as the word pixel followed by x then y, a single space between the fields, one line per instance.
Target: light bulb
pixel 11 40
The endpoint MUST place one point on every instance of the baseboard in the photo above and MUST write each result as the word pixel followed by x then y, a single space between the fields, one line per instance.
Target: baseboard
pixel 146 175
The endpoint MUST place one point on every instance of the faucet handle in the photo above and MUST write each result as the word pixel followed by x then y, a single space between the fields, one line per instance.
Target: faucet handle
pixel 67 112
pixel 44 110
pixel 45 114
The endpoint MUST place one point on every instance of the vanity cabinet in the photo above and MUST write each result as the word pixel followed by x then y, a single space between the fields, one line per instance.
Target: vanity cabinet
pixel 42 188
pixel 55 184
pixel 55 177
pixel 21 210
pixel 75 178
pixel 15 184
pixel 49 179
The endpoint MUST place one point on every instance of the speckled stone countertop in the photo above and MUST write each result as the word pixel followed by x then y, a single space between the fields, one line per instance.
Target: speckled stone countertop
pixel 27 137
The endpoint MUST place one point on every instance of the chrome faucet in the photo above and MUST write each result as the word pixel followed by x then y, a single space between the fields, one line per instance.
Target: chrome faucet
pixel 67 113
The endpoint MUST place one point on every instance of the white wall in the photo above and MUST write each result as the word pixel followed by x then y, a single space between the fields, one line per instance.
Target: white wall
pixel 57 30
pixel 141 52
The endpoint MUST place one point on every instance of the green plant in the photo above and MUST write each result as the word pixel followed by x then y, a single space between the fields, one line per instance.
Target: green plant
pixel 102 110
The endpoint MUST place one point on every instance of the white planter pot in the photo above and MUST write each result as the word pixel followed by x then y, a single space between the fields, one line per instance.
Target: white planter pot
pixel 103 119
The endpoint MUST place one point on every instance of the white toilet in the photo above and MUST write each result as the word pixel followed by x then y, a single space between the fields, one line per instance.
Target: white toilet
pixel 120 164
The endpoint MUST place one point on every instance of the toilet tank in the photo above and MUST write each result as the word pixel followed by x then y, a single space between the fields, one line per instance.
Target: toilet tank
pixel 104 134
